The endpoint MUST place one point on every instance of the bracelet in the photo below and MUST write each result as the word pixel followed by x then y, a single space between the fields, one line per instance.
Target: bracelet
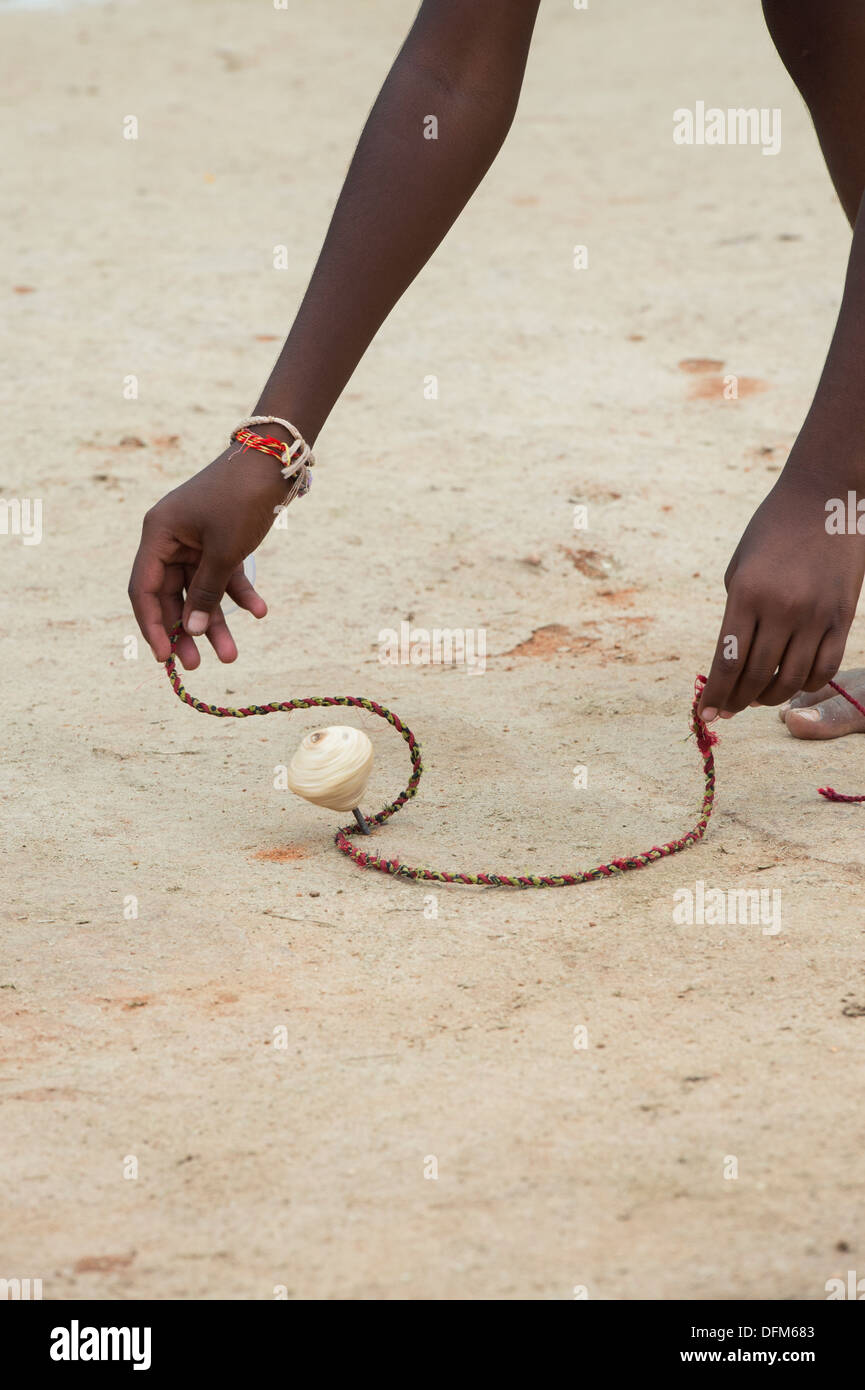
pixel 262 443
pixel 297 457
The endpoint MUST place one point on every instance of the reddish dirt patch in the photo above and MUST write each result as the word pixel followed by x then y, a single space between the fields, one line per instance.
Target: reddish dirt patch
pixel 103 1264
pixel 121 1001
pixel 591 492
pixel 553 640
pixel 700 364
pixel 282 854
pixel 591 563
pixel 619 598
pixel 711 388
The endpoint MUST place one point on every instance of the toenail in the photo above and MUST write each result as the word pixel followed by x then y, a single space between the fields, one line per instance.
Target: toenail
pixel 809 713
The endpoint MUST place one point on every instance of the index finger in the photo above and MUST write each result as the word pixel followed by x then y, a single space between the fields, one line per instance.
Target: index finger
pixel 731 655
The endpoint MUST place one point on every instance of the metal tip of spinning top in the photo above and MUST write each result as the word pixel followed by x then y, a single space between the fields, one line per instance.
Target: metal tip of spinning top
pixel 358 815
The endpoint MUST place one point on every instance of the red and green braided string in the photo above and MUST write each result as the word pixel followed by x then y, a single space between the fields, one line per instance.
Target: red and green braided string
pixel 705 742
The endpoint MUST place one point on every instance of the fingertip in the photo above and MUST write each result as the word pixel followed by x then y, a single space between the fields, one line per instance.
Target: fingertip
pixel 159 643
pixel 196 623
pixel 188 654
pixel 253 603
pixel 225 646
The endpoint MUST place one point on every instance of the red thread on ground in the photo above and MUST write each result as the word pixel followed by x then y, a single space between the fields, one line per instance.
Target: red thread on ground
pixel 830 792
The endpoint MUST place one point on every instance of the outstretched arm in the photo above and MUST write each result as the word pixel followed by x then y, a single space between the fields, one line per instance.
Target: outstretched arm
pixel 462 64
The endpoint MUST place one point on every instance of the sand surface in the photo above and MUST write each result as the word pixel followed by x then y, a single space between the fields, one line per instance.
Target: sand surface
pixel 296 1159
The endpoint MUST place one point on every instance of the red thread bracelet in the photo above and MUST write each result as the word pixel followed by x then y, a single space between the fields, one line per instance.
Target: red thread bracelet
pixel 262 443
pixel 296 458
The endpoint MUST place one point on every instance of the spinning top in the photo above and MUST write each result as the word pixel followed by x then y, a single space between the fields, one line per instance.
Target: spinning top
pixel 331 768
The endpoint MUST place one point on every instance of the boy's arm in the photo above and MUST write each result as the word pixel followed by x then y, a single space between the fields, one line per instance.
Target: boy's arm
pixel 463 64
pixel 794 580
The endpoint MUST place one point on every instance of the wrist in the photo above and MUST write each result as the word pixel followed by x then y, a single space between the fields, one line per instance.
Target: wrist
pixel 828 454
pixel 291 451
pixel 261 473
pixel 299 419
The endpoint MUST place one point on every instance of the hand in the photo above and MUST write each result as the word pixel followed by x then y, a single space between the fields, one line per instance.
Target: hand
pixel 792 590
pixel 195 541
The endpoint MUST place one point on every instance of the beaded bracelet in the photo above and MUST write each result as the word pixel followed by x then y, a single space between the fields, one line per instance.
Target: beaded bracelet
pixel 297 457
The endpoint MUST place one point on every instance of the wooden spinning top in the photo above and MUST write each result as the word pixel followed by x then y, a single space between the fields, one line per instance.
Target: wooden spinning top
pixel 331 768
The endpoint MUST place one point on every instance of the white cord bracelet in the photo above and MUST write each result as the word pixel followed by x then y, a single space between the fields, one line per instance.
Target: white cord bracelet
pixel 297 458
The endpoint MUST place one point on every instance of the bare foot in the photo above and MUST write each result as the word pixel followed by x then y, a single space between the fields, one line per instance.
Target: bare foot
pixel 822 713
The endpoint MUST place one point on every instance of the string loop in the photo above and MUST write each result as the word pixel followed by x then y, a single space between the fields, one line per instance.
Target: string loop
pixel 705 740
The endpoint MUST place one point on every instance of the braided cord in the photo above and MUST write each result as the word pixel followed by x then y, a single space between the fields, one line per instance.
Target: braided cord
pixel 830 792
pixel 705 742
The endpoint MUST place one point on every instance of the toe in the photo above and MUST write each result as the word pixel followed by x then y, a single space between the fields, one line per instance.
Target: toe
pixel 854 681
pixel 805 700
pixel 828 719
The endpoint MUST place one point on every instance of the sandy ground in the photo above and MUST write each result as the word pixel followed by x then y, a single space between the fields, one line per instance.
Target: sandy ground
pixel 152 1044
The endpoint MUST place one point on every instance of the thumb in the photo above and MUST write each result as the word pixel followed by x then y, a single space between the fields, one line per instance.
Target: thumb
pixel 205 592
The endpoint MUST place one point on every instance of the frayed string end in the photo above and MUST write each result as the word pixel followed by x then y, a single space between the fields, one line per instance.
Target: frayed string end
pixel 831 795
pixel 706 739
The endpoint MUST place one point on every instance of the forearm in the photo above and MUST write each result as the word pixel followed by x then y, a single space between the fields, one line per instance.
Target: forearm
pixel 823 49
pixel 831 443
pixel 463 64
